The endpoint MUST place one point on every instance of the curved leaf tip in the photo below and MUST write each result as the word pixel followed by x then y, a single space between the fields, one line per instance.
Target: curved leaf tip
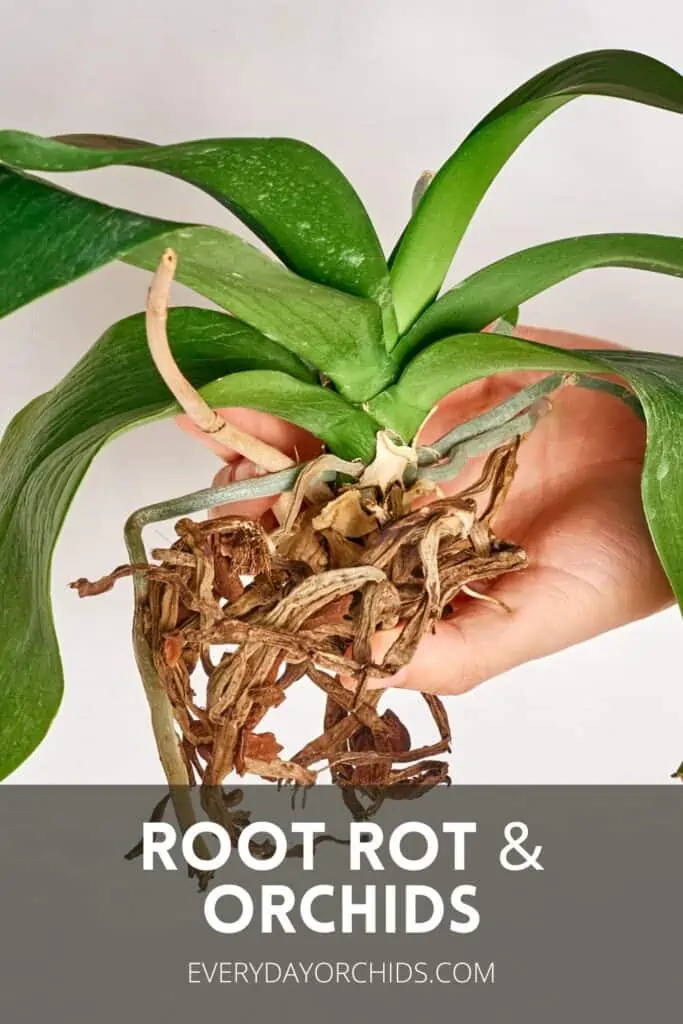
pixel 425 251
pixel 286 191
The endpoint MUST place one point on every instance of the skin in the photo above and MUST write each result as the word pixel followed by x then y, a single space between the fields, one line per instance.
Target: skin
pixel 574 506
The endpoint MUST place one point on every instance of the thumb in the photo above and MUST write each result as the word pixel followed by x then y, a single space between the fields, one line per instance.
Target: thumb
pixel 550 610
pixel 480 642
pixel 294 441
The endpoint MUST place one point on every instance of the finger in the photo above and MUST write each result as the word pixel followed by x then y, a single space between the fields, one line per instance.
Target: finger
pixel 253 508
pixel 482 641
pixel 292 440
pixel 562 339
pixel 592 568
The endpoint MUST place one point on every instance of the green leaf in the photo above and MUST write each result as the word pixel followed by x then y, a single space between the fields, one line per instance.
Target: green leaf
pixel 347 431
pixel 657 380
pixel 448 364
pixel 49 445
pixel 339 334
pixel 50 237
pixel 427 246
pixel 492 291
pixel 295 199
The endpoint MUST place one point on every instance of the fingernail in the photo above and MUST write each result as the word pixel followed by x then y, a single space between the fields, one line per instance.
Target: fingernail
pixel 245 470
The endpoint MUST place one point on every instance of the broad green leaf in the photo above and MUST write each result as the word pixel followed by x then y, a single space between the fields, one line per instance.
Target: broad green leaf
pixel 426 249
pixel 49 445
pixel 508 282
pixel 49 237
pixel 337 333
pixel 347 430
pixel 295 199
pixel 448 364
pixel 657 380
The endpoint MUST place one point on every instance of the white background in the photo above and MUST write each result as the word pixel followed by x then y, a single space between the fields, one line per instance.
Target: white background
pixel 386 89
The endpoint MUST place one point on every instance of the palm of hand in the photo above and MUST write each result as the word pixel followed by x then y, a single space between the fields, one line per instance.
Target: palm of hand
pixel 574 506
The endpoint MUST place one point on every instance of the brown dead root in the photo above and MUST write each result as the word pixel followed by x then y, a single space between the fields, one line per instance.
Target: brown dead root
pixel 321 586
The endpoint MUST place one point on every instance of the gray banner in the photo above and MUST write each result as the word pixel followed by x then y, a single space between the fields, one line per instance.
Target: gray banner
pixel 595 935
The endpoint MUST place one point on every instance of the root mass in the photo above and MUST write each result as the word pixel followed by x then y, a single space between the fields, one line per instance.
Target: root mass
pixel 304 603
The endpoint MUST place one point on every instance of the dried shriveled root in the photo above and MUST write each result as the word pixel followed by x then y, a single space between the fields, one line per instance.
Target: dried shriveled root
pixel 335 573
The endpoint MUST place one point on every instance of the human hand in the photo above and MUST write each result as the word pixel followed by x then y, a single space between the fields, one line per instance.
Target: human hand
pixel 574 506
